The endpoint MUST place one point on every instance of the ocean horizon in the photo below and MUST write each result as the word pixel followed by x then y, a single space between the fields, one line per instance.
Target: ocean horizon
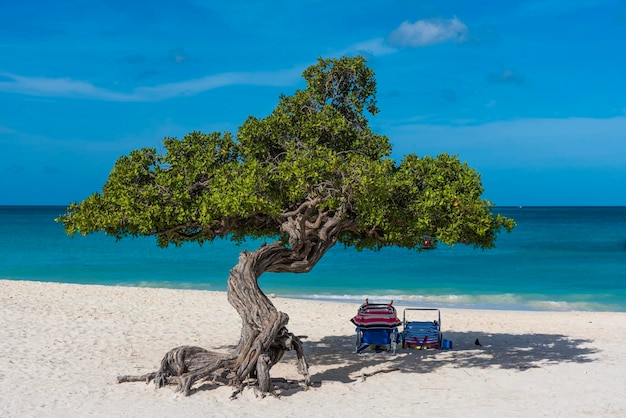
pixel 557 258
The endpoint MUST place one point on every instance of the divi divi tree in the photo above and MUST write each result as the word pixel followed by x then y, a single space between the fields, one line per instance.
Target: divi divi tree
pixel 308 176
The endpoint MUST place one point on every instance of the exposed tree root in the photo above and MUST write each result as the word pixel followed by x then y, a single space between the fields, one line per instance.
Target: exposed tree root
pixel 188 365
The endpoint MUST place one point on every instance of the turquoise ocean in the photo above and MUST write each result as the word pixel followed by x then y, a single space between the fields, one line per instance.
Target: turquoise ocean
pixel 557 258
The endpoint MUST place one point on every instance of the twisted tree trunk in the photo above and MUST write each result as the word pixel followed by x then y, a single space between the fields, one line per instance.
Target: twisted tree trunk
pixel 264 336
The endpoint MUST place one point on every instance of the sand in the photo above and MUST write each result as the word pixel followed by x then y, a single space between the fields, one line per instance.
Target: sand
pixel 62 347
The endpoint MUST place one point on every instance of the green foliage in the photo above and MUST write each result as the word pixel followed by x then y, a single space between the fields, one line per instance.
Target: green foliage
pixel 315 146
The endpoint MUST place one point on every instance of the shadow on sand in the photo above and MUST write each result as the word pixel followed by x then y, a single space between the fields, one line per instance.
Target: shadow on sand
pixel 336 357
pixel 506 351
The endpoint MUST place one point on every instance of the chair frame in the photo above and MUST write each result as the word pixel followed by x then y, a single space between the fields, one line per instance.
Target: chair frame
pixel 425 329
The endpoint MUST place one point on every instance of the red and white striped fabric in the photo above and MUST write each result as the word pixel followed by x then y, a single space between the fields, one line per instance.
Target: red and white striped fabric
pixel 376 315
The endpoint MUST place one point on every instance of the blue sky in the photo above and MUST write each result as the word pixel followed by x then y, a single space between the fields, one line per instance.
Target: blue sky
pixel 530 93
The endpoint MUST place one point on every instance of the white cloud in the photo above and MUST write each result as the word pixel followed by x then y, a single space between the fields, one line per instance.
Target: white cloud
pixel 428 32
pixel 68 88
pixel 412 35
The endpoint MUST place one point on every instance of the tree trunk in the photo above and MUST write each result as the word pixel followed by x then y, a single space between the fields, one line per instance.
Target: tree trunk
pixel 264 336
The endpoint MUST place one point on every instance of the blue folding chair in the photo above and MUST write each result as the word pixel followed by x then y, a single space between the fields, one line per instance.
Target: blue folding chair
pixel 376 327
pixel 422 334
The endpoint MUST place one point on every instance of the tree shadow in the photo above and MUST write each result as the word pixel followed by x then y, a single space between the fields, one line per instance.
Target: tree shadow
pixel 336 360
pixel 336 357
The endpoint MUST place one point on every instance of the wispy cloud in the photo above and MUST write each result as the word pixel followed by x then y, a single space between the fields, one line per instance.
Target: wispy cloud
pixel 57 87
pixel 375 47
pixel 571 142
pixel 428 32
pixel 192 87
pixel 69 88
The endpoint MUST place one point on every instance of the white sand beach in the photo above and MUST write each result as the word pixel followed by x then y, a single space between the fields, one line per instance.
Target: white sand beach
pixel 62 347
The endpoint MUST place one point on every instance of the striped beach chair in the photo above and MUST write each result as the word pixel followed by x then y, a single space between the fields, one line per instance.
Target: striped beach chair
pixel 376 327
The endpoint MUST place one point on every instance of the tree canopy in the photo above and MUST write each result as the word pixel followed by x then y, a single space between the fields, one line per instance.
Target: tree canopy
pixel 314 149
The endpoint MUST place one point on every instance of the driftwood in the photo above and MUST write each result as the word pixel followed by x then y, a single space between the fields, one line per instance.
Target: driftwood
pixel 264 336
pixel 365 375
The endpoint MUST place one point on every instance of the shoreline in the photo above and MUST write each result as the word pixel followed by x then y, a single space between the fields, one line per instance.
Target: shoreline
pixel 402 301
pixel 65 345
pixel 493 302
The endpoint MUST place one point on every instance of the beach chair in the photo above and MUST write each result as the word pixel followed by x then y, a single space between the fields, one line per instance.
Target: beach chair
pixel 376 327
pixel 422 334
